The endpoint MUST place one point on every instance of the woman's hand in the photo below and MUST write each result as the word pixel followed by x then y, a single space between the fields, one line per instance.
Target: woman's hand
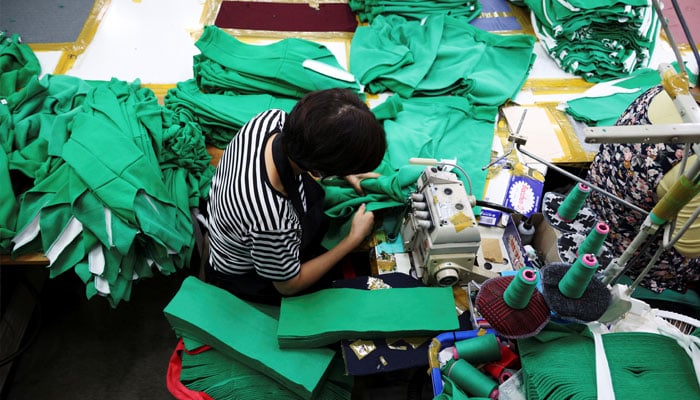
pixel 354 180
pixel 362 225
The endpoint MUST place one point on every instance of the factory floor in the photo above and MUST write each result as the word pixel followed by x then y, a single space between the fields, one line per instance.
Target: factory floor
pixel 85 349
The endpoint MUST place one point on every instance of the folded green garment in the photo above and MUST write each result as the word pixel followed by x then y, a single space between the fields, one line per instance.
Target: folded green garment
pixel 211 315
pixel 329 315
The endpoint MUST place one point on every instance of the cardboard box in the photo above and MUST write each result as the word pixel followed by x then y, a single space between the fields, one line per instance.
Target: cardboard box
pixel 545 239
pixel 520 193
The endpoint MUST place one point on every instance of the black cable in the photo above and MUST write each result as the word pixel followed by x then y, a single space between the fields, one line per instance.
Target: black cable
pixel 688 36
pixel 498 207
pixel 28 343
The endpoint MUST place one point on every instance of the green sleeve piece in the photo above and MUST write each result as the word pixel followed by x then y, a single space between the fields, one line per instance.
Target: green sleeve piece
pixel 329 315
pixel 213 316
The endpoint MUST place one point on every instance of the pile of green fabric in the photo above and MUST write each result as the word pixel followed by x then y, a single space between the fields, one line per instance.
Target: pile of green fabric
pixel 560 363
pixel 235 329
pixel 368 10
pixel 234 81
pixel 597 40
pixel 440 55
pixel 98 176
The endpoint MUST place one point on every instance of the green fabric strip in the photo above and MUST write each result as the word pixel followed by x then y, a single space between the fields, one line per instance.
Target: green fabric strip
pixel 329 315
pixel 214 316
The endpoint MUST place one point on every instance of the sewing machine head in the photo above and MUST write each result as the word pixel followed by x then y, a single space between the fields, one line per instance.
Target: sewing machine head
pixel 440 231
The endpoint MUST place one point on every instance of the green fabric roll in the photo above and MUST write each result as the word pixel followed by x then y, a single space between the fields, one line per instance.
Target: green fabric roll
pixel 211 315
pixel 327 316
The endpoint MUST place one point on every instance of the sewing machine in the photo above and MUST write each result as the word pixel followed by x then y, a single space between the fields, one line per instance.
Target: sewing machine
pixel 440 232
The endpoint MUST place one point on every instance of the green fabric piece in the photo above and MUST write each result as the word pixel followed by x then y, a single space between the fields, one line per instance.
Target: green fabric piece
pixel 211 315
pixel 225 378
pixel 327 316
pixel 559 363
pixel 605 110
pixel 275 68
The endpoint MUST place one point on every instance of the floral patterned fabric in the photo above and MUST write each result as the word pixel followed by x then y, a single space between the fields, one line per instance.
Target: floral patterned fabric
pixel 632 171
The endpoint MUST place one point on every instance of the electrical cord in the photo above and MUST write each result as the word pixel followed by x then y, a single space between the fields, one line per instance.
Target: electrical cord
pixel 498 207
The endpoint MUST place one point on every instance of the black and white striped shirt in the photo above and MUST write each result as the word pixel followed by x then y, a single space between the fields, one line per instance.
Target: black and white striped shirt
pixel 252 225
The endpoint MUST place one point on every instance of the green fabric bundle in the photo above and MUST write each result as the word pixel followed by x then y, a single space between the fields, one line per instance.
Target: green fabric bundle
pixel 597 40
pixel 329 315
pixel 211 315
pixel 368 10
pixel 441 55
pixel 559 363
pixel 225 378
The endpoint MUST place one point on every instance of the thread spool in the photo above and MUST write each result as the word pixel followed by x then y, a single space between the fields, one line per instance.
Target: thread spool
pixel 576 279
pixel 526 231
pixel 593 243
pixel 519 291
pixel 569 208
pixel 478 350
pixel 470 379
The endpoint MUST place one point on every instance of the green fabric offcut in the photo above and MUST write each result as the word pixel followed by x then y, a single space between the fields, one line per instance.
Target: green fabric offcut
pixel 213 316
pixel 329 315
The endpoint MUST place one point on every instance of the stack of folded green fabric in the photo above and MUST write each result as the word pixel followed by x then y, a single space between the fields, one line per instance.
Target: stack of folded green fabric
pixel 367 10
pixel 327 316
pixel 210 315
pixel 560 363
pixel 225 378
pixel 597 40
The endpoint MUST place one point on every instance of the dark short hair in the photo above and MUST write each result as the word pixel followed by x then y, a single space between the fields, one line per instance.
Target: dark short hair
pixel 334 132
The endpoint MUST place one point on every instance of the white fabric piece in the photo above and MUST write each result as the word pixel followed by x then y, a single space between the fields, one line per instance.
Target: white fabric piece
pixel 604 384
pixel 69 233
pixel 96 260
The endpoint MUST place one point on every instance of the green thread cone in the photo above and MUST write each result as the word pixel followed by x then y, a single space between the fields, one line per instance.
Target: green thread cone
pixel 478 350
pixel 518 293
pixel 593 243
pixel 577 278
pixel 569 208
